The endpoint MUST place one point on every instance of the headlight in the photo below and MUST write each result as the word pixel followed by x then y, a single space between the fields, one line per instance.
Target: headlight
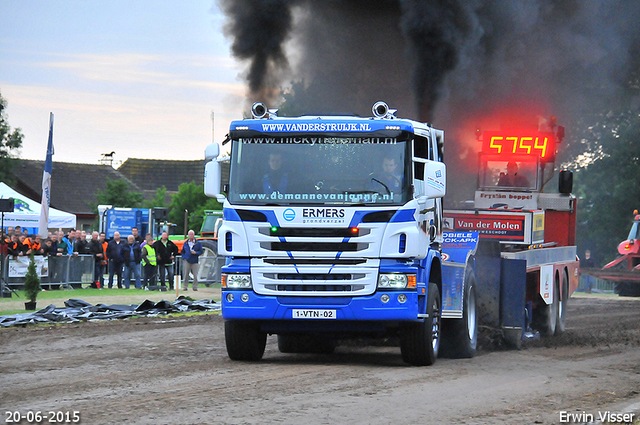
pixel 236 281
pixel 392 281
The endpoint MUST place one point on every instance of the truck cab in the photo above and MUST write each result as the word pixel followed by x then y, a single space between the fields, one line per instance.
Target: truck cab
pixel 332 229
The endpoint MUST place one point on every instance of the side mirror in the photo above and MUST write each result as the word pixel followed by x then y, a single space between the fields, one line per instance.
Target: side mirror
pixel 565 182
pixel 213 174
pixel 211 152
pixel 435 179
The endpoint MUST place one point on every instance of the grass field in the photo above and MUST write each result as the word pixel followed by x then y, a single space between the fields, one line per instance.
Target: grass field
pixel 15 304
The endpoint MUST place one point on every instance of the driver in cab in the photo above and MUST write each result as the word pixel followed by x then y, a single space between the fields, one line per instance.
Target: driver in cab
pixel 275 180
pixel 390 178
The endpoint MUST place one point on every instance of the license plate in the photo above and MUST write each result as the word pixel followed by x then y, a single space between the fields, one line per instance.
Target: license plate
pixel 313 314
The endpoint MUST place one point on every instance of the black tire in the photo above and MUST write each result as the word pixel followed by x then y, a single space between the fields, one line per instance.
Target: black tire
pixel 561 312
pixel 315 344
pixel 628 289
pixel 244 340
pixel 460 336
pixel 209 272
pixel 547 314
pixel 420 342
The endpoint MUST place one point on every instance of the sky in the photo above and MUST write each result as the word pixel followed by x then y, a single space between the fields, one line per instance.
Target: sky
pixel 139 78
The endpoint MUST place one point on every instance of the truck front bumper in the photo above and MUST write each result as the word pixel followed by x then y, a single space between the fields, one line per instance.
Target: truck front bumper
pixel 247 305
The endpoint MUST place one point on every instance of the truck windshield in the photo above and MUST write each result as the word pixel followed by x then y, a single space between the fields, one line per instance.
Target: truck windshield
pixel 508 175
pixel 319 170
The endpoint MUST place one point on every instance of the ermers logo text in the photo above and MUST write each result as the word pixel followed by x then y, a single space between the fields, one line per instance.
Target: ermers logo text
pixel 323 212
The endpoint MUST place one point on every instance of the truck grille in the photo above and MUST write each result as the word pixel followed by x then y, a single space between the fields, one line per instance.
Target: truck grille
pixel 320 279
pixel 316 261
pixel 314 246
pixel 314 288
pixel 309 276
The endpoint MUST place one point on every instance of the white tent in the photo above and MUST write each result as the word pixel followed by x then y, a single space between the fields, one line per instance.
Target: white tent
pixel 26 213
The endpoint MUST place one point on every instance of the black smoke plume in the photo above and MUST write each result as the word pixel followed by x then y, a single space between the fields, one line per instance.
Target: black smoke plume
pixel 446 55
pixel 259 29
pixel 450 62
pixel 434 32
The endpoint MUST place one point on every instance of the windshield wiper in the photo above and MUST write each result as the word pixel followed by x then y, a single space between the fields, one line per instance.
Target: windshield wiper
pixel 385 186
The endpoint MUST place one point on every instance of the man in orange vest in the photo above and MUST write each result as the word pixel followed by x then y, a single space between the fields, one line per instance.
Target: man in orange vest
pixel 36 247
pixel 104 243
pixel 14 247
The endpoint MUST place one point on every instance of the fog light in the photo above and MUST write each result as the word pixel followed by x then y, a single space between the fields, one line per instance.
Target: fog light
pixel 244 297
pixel 402 298
pixel 229 298
pixel 384 298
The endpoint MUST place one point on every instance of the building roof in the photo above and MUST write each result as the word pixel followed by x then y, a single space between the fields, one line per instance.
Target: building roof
pixel 151 174
pixel 73 186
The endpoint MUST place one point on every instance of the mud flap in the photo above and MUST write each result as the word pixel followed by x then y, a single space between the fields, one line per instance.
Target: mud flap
pixel 488 276
pixel 513 291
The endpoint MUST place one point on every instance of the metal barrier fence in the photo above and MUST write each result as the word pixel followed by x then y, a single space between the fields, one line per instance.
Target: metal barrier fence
pixel 76 270
pixel 209 269
pixel 53 271
pixel 593 284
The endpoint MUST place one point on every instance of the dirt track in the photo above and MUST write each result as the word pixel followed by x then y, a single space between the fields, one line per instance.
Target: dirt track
pixel 175 371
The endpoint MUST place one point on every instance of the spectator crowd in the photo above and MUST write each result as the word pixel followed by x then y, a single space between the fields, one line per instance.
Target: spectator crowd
pixel 142 260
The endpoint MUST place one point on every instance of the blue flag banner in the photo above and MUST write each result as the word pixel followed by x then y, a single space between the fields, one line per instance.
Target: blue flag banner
pixel 46 185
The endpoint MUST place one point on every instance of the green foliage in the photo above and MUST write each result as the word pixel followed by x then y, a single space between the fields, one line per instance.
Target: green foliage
pixel 32 282
pixel 159 200
pixel 608 187
pixel 10 142
pixel 119 194
pixel 190 197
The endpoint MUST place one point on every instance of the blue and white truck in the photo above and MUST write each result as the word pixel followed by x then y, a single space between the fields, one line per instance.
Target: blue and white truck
pixel 333 228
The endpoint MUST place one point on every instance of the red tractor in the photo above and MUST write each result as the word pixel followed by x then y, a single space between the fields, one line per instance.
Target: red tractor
pixel 624 271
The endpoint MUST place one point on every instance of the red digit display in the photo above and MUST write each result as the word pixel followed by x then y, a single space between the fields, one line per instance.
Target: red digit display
pixel 507 144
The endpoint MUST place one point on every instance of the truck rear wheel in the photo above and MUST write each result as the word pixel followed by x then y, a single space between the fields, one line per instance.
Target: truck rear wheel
pixel 460 336
pixel 244 340
pixel 562 303
pixel 316 344
pixel 419 342
pixel 546 315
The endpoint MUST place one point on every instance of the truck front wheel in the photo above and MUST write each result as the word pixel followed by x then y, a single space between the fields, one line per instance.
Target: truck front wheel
pixel 244 340
pixel 419 342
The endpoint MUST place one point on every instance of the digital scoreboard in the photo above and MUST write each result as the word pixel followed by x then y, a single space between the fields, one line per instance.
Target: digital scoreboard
pixel 508 144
